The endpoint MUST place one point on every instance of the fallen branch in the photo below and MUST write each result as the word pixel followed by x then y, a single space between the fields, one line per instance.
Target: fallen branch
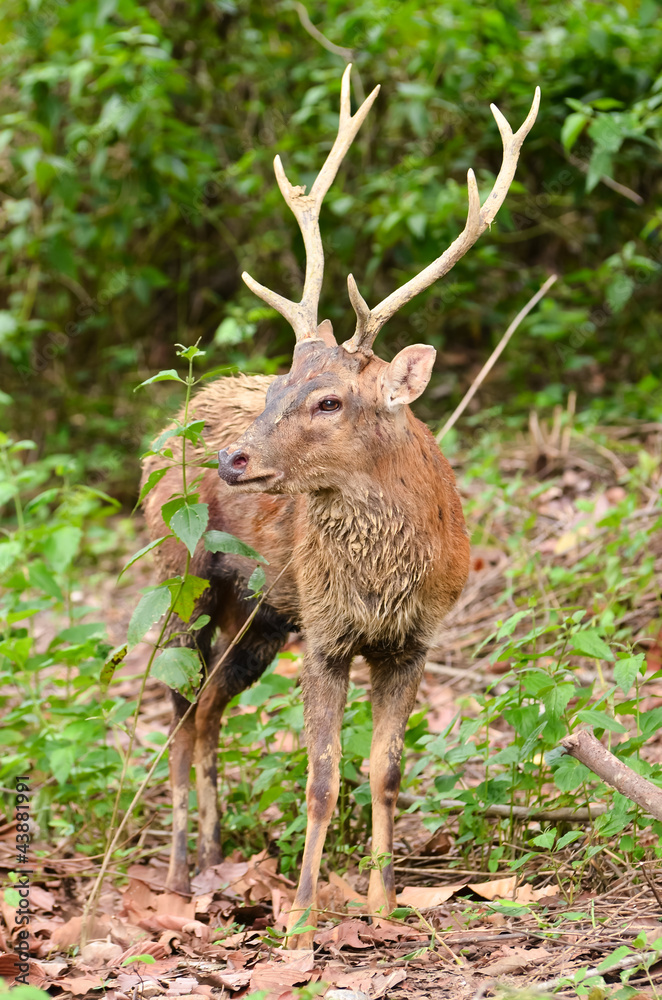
pixel 584 747
pixel 494 356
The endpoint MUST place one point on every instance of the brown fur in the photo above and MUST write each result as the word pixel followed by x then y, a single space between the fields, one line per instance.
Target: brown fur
pixel 365 506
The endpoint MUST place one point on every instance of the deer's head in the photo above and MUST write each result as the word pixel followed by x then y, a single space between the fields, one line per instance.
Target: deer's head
pixel 341 409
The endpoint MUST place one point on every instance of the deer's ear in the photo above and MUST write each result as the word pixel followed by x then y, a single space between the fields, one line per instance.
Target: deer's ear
pixel 408 374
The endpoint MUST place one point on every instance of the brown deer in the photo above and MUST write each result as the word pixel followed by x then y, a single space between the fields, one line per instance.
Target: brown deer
pixel 327 473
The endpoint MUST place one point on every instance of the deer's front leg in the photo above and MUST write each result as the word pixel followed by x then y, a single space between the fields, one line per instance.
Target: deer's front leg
pixel 394 685
pixel 324 682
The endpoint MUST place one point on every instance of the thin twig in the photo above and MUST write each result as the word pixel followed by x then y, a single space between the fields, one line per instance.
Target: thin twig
pixel 495 355
pixel 607 181
pixel 315 33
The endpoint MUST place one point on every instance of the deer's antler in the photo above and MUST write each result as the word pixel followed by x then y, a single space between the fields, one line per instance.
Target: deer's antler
pixel 370 321
pixel 302 316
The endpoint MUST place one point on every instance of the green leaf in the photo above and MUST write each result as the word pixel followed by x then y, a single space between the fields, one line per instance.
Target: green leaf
pixel 60 548
pixel 600 720
pixel 626 670
pixel 611 960
pixel 589 642
pixel 9 552
pixel 199 623
pixel 221 541
pixel 569 838
pixel 189 523
pixel 42 579
pixel 556 697
pixel 12 897
pixel 619 291
pixel 81 633
pixel 166 376
pixel 190 352
pixel 546 839
pixel 111 664
pixel 143 552
pixel 572 128
pixel 257 580
pixel 599 165
pixel 179 668
pixel 185 595
pixel 147 959
pixel 151 607
pixel 607 133
pixel 154 477
pixel 570 774
pixel 509 626
pixel 192 431
pixel 61 762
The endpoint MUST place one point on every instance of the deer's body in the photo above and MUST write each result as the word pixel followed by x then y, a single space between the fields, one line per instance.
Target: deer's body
pixel 368 569
pixel 325 472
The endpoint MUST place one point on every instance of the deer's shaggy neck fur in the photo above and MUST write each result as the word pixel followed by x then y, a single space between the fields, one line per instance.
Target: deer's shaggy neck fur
pixel 365 557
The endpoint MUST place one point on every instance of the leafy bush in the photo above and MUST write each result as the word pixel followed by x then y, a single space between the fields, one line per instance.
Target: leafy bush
pixel 136 170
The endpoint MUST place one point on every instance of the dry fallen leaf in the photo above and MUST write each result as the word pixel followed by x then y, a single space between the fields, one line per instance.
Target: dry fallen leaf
pixel 349 895
pixel 100 954
pixel 500 888
pixel 41 899
pixel 154 948
pixel 513 960
pixel 423 897
pixel 67 935
pixel 343 934
pixel 505 888
pixel 172 904
pixel 181 985
pixel 370 982
pixel 80 985
pixel 275 976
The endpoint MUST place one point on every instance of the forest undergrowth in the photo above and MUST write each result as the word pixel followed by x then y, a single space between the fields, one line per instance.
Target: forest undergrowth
pixel 498 832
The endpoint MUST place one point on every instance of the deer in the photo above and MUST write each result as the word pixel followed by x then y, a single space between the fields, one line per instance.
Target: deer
pixel 328 474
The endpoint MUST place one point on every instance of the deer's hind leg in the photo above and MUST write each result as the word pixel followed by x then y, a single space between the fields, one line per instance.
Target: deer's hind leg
pixel 243 665
pixel 179 765
pixel 395 680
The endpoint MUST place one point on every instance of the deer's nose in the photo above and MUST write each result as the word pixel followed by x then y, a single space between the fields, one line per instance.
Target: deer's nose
pixel 231 465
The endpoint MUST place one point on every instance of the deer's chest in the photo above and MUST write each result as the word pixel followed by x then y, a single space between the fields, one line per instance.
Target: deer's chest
pixel 364 578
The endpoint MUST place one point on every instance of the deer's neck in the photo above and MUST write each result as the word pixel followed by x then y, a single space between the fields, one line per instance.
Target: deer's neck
pixel 365 559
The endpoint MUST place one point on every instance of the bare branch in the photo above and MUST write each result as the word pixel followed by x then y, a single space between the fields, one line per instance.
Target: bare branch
pixel 315 33
pixel 584 747
pixel 494 356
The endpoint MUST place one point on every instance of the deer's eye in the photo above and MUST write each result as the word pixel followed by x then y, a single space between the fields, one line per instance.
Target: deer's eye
pixel 329 404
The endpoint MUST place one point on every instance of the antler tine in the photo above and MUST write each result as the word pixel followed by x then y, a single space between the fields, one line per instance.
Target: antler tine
pixel 368 324
pixel 302 316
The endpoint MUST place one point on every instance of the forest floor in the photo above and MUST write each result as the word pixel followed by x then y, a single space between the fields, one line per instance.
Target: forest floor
pixel 472 922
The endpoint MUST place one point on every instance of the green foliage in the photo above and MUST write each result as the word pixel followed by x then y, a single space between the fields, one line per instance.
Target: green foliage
pixel 137 148
pixel 49 729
